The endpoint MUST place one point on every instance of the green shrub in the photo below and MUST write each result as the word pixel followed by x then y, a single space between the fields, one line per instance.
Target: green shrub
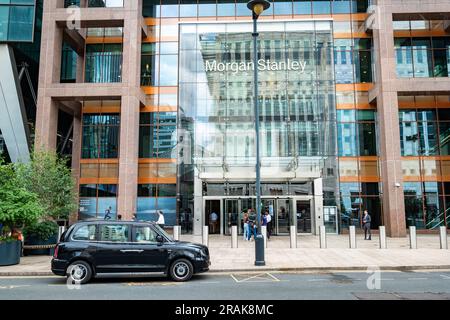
pixel 43 230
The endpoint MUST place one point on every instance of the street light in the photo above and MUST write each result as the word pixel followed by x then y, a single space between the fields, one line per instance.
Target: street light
pixel 257 7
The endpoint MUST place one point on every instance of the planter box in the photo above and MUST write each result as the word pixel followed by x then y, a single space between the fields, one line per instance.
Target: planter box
pixel 35 241
pixel 10 253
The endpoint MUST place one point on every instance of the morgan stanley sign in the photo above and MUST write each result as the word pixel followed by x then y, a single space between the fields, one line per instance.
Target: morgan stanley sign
pixel 263 65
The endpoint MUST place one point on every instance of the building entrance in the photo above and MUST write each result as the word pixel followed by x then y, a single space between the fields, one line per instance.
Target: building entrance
pixel 285 212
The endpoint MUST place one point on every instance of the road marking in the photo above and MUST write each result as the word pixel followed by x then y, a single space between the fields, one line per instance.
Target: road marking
pixel 387 279
pixel 275 278
pixel 317 280
pixel 417 278
pixel 261 277
pixel 14 287
pixel 445 277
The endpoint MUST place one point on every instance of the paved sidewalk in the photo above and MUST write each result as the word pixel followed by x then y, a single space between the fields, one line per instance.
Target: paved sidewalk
pixel 307 257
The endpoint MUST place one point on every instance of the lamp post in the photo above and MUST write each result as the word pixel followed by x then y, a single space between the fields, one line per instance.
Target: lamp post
pixel 257 7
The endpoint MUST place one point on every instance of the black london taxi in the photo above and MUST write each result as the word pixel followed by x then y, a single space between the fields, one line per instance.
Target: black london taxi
pixel 106 248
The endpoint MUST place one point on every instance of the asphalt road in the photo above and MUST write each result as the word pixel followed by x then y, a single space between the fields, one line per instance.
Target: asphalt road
pixel 267 286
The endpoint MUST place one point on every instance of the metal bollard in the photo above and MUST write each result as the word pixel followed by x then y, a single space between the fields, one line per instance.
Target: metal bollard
pixel 61 230
pixel 412 238
pixel 323 237
pixel 383 244
pixel 234 237
pixel 352 237
pixel 293 234
pixel 176 233
pixel 205 235
pixel 264 233
pixel 443 237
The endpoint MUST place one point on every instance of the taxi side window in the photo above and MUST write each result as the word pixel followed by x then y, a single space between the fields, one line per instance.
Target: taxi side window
pixel 85 233
pixel 145 235
pixel 114 233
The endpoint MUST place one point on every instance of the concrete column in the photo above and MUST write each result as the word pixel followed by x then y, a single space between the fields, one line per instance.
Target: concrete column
pixel 46 123
pixel 49 73
pixel 128 160
pixel 199 214
pixel 388 122
pixel 76 155
pixel 352 237
pixel 130 108
pixel 318 206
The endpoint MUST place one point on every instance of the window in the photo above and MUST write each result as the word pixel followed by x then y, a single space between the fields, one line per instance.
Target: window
pixel 85 233
pixel 103 63
pixel 145 235
pixel 100 136
pixel 114 233
pixel 16 21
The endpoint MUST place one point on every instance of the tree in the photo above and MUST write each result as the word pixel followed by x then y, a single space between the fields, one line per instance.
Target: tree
pixel 48 176
pixel 18 206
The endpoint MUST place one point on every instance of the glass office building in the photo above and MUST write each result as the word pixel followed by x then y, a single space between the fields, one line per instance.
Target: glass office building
pixel 347 124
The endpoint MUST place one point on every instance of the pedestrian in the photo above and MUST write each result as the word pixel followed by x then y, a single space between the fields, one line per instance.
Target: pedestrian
pixel 269 225
pixel 213 217
pixel 161 221
pixel 246 227
pixel 366 224
pixel 108 213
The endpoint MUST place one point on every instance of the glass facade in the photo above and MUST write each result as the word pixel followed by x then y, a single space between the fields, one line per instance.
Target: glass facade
pixel 230 8
pixel 17 19
pixel 422 57
pixel 297 102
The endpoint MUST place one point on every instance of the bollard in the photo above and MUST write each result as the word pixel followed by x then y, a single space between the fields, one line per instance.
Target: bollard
pixel 443 237
pixel 352 237
pixel 293 234
pixel 176 233
pixel 383 244
pixel 412 238
pixel 264 233
pixel 61 230
pixel 323 237
pixel 234 237
pixel 205 235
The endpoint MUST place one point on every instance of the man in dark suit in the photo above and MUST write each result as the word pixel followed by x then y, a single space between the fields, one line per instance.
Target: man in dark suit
pixel 366 224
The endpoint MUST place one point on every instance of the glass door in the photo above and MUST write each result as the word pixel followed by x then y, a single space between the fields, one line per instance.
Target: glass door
pixel 330 218
pixel 283 216
pixel 213 216
pixel 231 216
pixel 303 208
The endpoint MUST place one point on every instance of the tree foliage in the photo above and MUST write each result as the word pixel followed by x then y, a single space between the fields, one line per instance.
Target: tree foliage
pixel 18 206
pixel 48 176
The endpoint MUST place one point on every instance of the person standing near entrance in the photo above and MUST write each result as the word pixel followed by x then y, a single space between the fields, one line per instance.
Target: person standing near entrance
pixel 246 228
pixel 213 217
pixel 269 225
pixel 366 224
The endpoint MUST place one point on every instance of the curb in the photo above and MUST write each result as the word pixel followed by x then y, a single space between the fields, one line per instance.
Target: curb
pixel 268 269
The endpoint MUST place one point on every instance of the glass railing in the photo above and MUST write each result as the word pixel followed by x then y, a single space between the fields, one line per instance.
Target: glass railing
pixel 103 67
